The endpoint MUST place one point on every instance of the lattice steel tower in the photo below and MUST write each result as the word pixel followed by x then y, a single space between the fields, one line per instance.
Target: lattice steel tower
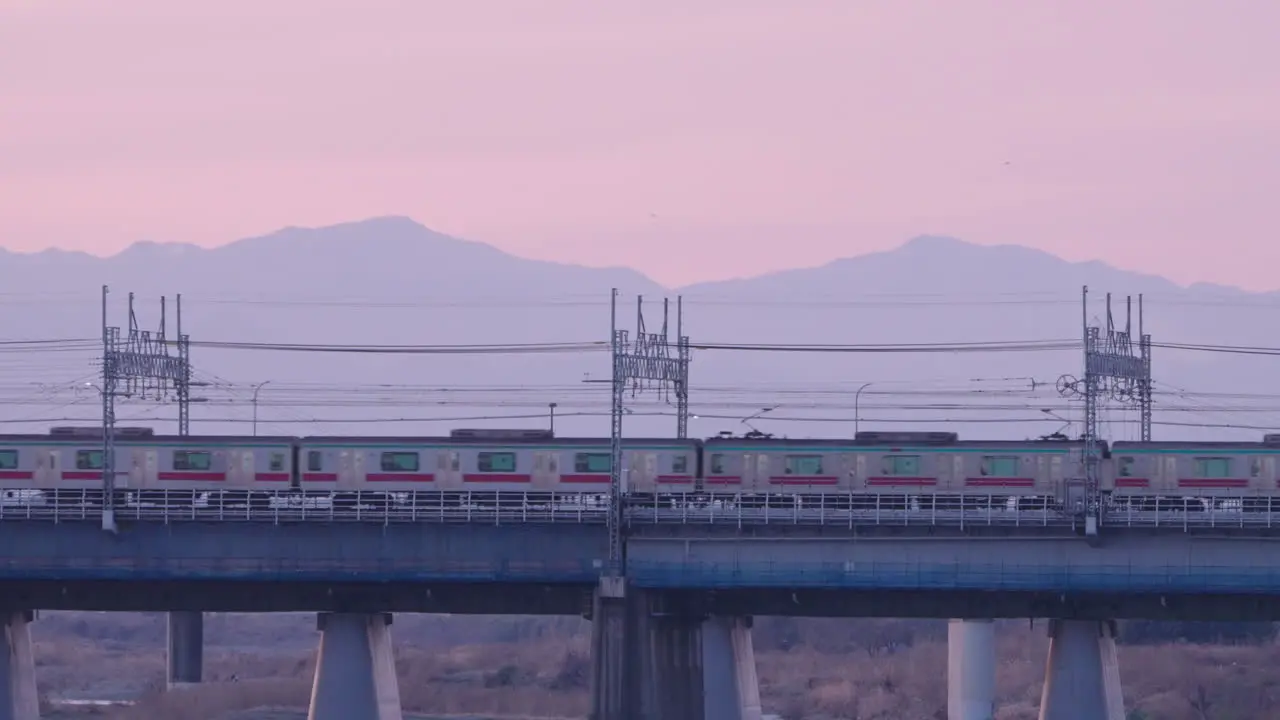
pixel 139 364
pixel 1114 368
pixel 649 362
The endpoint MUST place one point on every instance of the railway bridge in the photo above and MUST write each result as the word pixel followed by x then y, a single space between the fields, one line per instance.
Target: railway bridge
pixel 672 636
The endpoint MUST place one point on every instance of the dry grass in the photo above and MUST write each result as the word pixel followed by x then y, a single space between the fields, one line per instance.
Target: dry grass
pixel 882 672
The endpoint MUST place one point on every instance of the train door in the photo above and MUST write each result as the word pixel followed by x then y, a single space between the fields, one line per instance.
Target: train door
pixel 541 480
pixel 351 469
pixel 149 473
pixel 1271 479
pixel 859 479
pixel 1169 481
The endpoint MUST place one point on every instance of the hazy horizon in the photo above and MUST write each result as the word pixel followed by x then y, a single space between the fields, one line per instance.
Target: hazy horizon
pixel 690 143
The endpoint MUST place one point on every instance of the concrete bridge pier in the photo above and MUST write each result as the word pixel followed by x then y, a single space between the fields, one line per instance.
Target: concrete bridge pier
pixel 186 649
pixel 19 699
pixel 971 670
pixel 1082 678
pixel 613 686
pixel 731 689
pixel 355 670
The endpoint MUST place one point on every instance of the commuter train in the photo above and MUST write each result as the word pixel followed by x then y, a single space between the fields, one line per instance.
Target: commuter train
pixel 914 468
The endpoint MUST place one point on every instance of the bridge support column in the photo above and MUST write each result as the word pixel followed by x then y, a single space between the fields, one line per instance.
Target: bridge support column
pixel 675 654
pixel 731 690
pixel 1082 678
pixel 355 671
pixel 18 696
pixel 613 682
pixel 186 649
pixel 971 670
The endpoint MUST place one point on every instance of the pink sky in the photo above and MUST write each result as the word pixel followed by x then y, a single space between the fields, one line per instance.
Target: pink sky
pixel 690 140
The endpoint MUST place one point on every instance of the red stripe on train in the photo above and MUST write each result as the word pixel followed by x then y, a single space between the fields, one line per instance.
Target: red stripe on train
pixel 319 477
pixel 675 479
pixel 194 476
pixel 999 482
pixel 724 480
pixel 82 475
pixel 1133 482
pixel 18 475
pixel 496 478
pixel 400 477
pixel 271 477
pixel 912 481
pixel 1214 483
pixel 585 478
pixel 804 480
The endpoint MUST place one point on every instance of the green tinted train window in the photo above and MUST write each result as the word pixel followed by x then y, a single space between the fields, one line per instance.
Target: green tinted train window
pixel 1213 467
pixel 277 462
pixel 680 464
pixel 8 459
pixel 315 461
pixel 1126 467
pixel 717 464
pixel 88 459
pixel 592 462
pixel 902 465
pixel 1000 466
pixel 399 462
pixel 497 462
pixel 803 465
pixel 192 460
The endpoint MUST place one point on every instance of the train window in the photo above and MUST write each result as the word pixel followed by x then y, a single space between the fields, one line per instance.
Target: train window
pixel 399 462
pixel 315 461
pixel 905 465
pixel 192 460
pixel 277 462
pixel 8 459
pixel 680 464
pixel 1126 467
pixel 803 465
pixel 88 459
pixel 717 464
pixel 1213 467
pixel 1255 467
pixel 497 462
pixel 1000 466
pixel 592 462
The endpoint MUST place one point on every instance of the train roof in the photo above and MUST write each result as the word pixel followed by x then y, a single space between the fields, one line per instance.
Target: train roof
pixel 1195 445
pixel 891 440
pixel 505 441
pixel 143 439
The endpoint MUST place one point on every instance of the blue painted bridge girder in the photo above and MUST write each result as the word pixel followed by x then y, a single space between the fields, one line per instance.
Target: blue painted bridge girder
pixel 427 553
pixel 1124 563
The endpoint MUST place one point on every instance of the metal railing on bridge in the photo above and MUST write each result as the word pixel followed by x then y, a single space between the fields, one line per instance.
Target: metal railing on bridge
pixel 858 509
pixel 173 506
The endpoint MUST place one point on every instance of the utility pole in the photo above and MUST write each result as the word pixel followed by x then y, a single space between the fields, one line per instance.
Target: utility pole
pixel 134 365
pixel 646 362
pixel 1113 368
pixel 256 389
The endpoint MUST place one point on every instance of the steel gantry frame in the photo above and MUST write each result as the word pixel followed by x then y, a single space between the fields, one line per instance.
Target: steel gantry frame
pixel 135 365
pixel 1113 368
pixel 650 361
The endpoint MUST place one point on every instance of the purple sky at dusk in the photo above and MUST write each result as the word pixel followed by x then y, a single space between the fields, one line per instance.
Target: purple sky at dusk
pixel 691 140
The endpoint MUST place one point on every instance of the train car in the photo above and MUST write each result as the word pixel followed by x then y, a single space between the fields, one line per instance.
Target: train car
pixel 69 461
pixel 897 470
pixel 1195 476
pixel 484 463
pixel 67 458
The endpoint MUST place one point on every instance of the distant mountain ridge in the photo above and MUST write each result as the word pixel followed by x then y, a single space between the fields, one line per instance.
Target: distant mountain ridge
pixel 393 281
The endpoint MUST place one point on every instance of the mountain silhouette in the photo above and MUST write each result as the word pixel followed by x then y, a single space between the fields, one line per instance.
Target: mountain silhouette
pixel 392 281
